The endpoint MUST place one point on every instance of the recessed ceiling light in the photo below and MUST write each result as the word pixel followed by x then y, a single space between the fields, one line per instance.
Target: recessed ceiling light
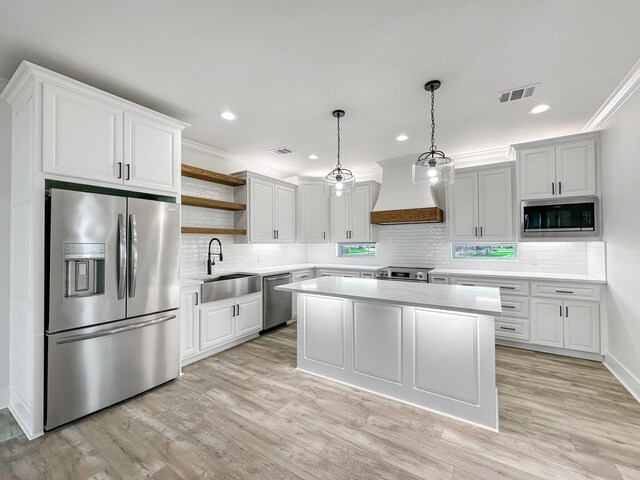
pixel 313 156
pixel 227 115
pixel 539 108
pixel 402 138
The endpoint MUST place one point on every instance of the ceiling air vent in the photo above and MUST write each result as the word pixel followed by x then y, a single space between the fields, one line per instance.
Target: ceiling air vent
pixel 281 151
pixel 517 93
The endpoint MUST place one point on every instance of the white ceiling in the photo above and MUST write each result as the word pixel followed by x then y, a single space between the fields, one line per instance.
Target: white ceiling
pixel 283 65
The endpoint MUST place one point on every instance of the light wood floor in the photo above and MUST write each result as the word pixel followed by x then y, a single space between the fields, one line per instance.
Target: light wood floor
pixel 246 413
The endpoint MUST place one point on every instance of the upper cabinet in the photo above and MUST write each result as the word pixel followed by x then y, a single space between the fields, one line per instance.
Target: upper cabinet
pixel 480 205
pixel 92 135
pixel 313 209
pixel 350 215
pixel 561 167
pixel 270 216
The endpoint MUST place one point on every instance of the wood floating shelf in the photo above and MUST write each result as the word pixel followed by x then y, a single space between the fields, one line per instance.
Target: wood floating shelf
pixel 210 203
pixel 212 231
pixel 214 177
pixel 411 215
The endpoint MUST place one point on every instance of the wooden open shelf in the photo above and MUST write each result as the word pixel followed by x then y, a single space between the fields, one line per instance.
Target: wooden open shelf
pixel 212 231
pixel 209 203
pixel 209 176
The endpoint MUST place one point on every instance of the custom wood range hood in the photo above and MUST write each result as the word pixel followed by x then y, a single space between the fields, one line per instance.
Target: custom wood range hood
pixel 401 201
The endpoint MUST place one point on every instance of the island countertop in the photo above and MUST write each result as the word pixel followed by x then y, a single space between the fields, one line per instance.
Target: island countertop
pixel 459 298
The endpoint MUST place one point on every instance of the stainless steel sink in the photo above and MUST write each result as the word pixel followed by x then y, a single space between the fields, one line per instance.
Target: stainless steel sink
pixel 229 286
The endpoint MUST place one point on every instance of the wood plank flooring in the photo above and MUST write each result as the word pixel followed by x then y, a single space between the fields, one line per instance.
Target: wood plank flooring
pixel 247 414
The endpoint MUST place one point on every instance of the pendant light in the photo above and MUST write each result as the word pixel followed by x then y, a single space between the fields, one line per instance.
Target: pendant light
pixel 339 181
pixel 433 167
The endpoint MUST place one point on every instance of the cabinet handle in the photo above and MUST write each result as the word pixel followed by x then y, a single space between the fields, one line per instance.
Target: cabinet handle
pixel 238 309
pixel 553 188
pixel 277 234
pixel 476 234
pixel 324 235
pixel 559 188
pixel 564 291
pixel 274 234
pixel 119 169
pixel 346 234
pixel 438 278
pixel 508 306
pixel 233 314
pixel 566 310
pixel 480 231
pixel 560 309
pixel 468 285
pixel 196 298
pixel 508 288
pixel 128 171
pixel 508 328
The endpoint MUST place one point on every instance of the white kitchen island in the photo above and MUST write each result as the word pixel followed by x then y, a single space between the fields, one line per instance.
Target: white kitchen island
pixel 428 345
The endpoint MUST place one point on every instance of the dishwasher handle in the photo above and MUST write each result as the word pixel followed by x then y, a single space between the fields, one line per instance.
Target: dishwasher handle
pixel 283 277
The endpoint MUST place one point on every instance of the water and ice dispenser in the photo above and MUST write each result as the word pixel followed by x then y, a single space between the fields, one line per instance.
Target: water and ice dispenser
pixel 84 269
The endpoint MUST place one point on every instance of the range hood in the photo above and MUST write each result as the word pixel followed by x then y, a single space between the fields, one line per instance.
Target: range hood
pixel 401 201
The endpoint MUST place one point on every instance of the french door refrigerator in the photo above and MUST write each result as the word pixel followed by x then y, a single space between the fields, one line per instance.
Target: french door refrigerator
pixel 112 288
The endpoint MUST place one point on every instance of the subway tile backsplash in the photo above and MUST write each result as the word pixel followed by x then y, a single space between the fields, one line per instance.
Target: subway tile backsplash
pixel 397 245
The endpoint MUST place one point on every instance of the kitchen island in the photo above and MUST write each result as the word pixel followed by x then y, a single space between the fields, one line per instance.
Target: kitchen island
pixel 431 346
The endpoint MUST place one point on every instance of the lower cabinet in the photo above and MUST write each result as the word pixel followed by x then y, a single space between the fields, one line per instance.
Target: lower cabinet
pixel 570 324
pixel 211 327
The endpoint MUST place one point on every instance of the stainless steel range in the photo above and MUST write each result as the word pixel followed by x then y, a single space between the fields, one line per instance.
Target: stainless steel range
pixel 406 274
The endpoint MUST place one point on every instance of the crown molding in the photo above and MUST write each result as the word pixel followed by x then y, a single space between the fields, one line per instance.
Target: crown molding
pixel 620 94
pixel 483 157
pixel 3 83
pixel 368 174
pixel 240 163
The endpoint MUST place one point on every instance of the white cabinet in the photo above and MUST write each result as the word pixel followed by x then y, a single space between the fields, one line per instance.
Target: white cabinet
pixel 216 324
pixel 189 331
pixel 270 216
pixel 313 208
pixel 151 153
pixel 350 215
pixel 564 167
pixel 480 206
pixel 569 324
pixel 247 316
pixel 99 138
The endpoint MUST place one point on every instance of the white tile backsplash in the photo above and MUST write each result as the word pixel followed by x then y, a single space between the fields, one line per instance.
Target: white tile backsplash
pixel 398 245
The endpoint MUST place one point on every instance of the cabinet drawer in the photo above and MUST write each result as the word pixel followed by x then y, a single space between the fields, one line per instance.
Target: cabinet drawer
pixel 566 290
pixel 512 330
pixel 506 286
pixel 515 306
pixel 303 275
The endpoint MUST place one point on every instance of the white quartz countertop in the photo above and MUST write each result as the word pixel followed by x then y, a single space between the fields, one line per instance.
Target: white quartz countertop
pixel 569 277
pixel 458 298
pixel 189 280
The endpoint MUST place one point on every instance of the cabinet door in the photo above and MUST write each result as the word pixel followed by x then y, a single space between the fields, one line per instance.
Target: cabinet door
pixel 340 218
pixel 189 332
pixel 216 324
pixel 249 316
pixel 495 205
pixel 285 213
pixel 462 207
pixel 537 173
pixel 547 322
pixel 313 213
pixel 261 211
pixel 151 153
pixel 360 230
pixel 81 136
pixel 582 326
pixel 576 168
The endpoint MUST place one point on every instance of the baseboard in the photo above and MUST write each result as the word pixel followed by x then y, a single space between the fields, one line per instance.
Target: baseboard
pixel 553 350
pixel 4 397
pixel 624 376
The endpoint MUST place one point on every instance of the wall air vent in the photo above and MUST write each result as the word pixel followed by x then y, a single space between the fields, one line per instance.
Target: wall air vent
pixel 281 151
pixel 517 93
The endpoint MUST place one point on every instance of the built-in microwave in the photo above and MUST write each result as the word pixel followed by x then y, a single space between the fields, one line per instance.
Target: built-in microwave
pixel 564 217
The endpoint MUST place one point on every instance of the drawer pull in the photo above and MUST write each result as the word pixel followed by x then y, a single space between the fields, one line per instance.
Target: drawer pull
pixel 508 288
pixel 564 291
pixel 468 285
pixel 508 328
pixel 438 278
pixel 508 306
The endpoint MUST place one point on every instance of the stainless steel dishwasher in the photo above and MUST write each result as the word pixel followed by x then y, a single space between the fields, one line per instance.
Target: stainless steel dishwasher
pixel 277 304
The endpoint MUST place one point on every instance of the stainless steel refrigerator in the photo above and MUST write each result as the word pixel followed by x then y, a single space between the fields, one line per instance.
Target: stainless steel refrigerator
pixel 111 319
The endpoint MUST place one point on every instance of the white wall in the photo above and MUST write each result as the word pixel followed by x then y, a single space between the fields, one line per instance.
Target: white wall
pixel 5 190
pixel 621 215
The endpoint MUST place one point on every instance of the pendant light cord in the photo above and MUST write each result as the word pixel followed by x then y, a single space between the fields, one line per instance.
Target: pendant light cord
pixel 433 122
pixel 339 165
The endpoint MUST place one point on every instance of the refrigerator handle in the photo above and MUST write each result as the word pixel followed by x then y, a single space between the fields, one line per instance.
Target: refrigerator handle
pixel 122 256
pixel 133 255
pixel 113 331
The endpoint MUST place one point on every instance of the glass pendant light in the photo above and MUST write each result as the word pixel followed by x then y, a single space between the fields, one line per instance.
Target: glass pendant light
pixel 339 181
pixel 433 167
